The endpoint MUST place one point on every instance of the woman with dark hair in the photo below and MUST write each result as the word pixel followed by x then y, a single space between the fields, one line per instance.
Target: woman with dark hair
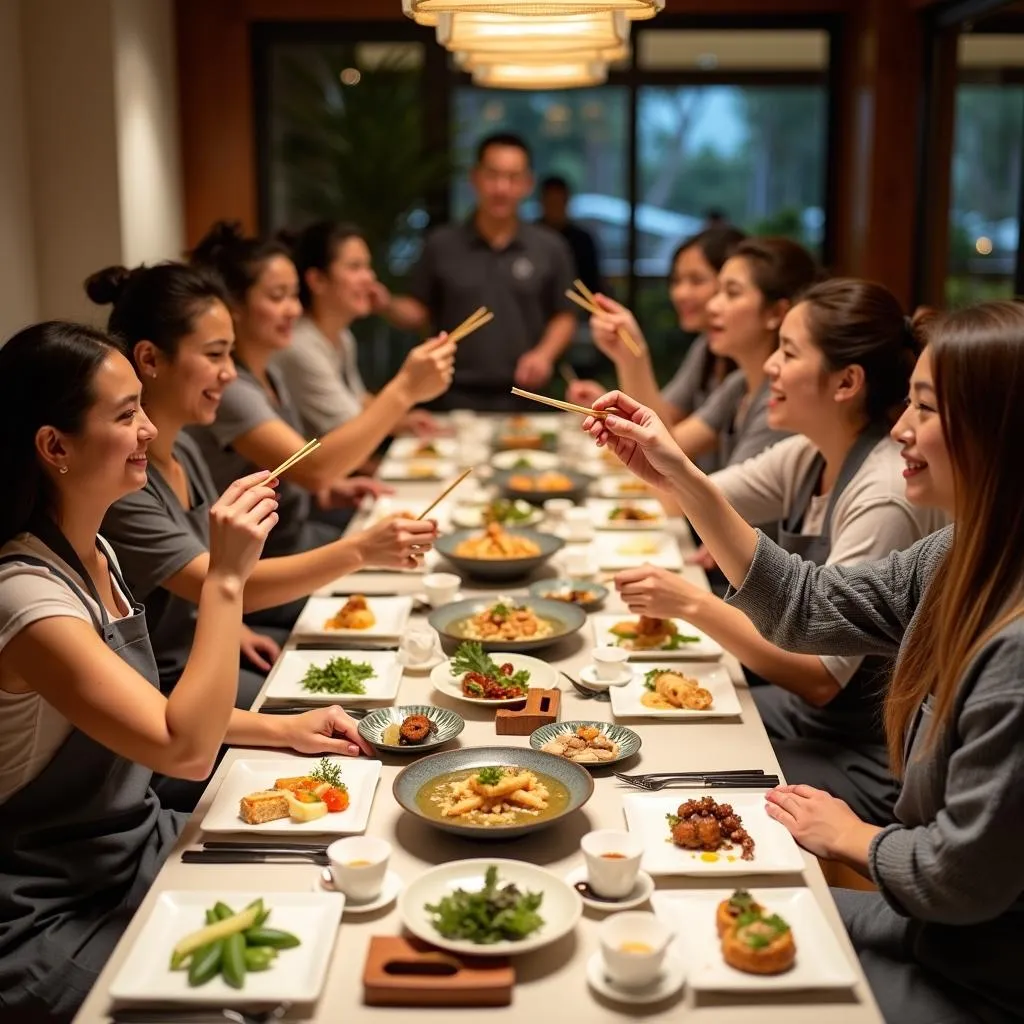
pixel 83 724
pixel 258 423
pixel 174 322
pixel 837 381
pixel 337 286
pixel 943 939
pixel 692 284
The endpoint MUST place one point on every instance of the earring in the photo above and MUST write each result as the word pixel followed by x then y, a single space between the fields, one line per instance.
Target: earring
pixel 63 470
pixel 153 375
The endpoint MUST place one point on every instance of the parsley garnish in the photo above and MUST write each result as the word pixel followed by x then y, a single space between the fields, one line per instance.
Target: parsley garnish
pixel 329 772
pixel 490 776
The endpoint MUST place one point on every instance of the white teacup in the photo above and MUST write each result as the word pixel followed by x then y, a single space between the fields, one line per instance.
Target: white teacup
pixel 358 866
pixel 613 861
pixel 633 945
pixel 579 563
pixel 579 524
pixel 556 508
pixel 610 663
pixel 441 587
pixel 419 645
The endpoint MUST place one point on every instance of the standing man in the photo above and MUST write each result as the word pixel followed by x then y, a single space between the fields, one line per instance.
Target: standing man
pixel 519 271
pixel 554 205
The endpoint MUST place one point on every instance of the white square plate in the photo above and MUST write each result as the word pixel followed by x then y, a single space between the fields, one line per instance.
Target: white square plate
pixel 820 960
pixel 775 850
pixel 247 776
pixel 602 508
pixel 626 549
pixel 621 487
pixel 388 506
pixel 626 699
pixel 392 617
pixel 416 469
pixel 297 975
pixel 409 448
pixel 704 647
pixel 286 682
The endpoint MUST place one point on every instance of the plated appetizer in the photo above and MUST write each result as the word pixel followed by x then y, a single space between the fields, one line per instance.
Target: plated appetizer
pixel 497 543
pixel 505 620
pixel 754 941
pixel 426 450
pixel 587 745
pixel 711 827
pixel 650 634
pixel 339 675
pixel 508 512
pixel 410 732
pixel 485 679
pixel 668 689
pixel 493 796
pixel 496 913
pixel 632 514
pixel 549 480
pixel 355 613
pixel 301 798
pixel 573 596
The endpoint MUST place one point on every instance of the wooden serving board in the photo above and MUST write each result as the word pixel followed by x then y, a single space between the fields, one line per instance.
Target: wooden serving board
pixel 403 971
pixel 542 708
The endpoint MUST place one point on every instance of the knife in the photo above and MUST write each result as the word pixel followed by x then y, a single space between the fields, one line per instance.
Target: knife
pixel 281 846
pixel 252 857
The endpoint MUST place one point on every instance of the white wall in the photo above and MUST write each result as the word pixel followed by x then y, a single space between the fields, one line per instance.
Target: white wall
pixel 18 300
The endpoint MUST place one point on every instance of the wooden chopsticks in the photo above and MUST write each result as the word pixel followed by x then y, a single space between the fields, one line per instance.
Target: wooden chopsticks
pixel 472 323
pixel 567 373
pixel 444 494
pixel 307 449
pixel 588 301
pixel 599 414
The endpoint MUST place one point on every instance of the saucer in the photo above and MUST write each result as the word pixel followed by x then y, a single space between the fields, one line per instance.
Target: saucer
pixel 421 666
pixel 388 893
pixel 641 892
pixel 588 676
pixel 667 984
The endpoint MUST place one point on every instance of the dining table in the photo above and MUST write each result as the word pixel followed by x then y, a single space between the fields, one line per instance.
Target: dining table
pixel 550 983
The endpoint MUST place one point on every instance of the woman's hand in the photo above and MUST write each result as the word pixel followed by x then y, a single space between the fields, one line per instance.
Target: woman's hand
pixel 605 328
pixel 428 368
pixel 658 593
pixel 325 731
pixel 240 521
pixel 584 392
pixel 419 423
pixel 395 543
pixel 350 492
pixel 822 824
pixel 641 441
pixel 259 650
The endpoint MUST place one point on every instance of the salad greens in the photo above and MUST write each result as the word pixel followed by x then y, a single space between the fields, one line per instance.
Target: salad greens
pixel 470 657
pixel 339 675
pixel 504 510
pixel 494 914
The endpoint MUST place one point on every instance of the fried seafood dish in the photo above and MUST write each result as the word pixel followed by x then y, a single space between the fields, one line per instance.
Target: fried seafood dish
pixel 668 690
pixel 506 622
pixel 354 614
pixel 550 480
pixel 647 634
pixel 497 543
pixel 631 514
pixel 711 827
pixel 587 745
pixel 493 796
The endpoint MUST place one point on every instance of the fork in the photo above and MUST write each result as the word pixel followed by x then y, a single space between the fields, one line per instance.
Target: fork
pixel 703 782
pixel 204 1016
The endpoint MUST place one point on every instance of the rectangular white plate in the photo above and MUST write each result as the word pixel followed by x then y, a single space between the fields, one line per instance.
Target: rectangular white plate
pixel 820 960
pixel 602 508
pixel 297 974
pixel 408 448
pixel 392 617
pixel 628 548
pixel 775 850
pixel 246 776
pixel 417 469
pixel 286 682
pixel 388 506
pixel 618 486
pixel 705 647
pixel 626 699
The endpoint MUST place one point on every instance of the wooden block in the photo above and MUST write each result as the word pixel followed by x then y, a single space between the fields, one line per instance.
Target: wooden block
pixel 542 708
pixel 403 971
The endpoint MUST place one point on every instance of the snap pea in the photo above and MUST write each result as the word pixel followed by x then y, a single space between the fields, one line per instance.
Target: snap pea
pixel 259 958
pixel 223 911
pixel 211 916
pixel 270 937
pixel 205 963
pixel 233 960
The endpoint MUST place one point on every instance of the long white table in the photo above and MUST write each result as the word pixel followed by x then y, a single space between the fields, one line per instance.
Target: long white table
pixel 550 981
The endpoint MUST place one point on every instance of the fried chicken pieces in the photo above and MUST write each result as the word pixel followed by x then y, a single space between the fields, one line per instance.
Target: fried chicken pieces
pixel 707 825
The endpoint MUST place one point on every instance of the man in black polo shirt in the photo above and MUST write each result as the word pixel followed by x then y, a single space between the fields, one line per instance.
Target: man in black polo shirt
pixel 519 271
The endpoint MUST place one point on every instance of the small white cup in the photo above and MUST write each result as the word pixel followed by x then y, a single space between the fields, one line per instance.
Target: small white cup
pixel 472 452
pixel 441 587
pixel 613 861
pixel 579 524
pixel 556 508
pixel 610 663
pixel 578 562
pixel 633 945
pixel 358 866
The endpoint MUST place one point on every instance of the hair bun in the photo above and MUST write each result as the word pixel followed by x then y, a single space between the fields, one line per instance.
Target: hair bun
pixel 106 286
pixel 222 242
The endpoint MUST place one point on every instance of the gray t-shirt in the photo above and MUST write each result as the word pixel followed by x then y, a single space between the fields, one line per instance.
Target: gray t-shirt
pixel 687 390
pixel 244 407
pixel 742 432
pixel 523 284
pixel 154 538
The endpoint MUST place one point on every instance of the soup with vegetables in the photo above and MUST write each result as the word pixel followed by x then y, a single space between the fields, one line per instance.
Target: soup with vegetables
pixel 493 796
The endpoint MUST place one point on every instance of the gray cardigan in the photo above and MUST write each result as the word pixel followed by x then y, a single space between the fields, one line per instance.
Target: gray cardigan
pixel 952 864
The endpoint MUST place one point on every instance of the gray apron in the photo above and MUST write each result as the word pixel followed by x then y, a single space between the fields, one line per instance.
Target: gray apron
pixel 80 844
pixel 840 747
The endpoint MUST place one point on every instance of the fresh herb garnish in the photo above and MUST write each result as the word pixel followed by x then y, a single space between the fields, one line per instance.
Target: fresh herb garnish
pixel 491 915
pixel 470 657
pixel 339 675
pixel 770 928
pixel 676 640
pixel 329 772
pixel 500 610
pixel 651 679
pixel 673 820
pixel 490 776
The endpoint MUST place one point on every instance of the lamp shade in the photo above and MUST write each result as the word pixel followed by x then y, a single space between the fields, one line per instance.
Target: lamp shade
pixel 637 9
pixel 491 34
pixel 421 18
pixel 561 75
pixel 472 60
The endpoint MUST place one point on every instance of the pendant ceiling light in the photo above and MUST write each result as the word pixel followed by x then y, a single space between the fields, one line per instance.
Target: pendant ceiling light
pixel 472 60
pixel 563 75
pixel 636 9
pixel 430 20
pixel 496 34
